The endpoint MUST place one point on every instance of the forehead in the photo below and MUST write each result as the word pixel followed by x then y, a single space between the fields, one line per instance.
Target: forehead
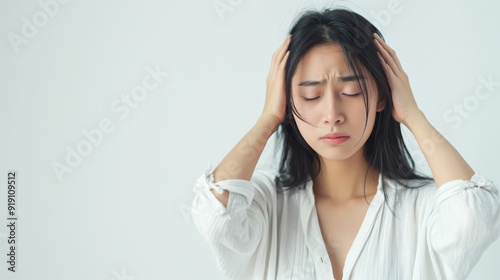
pixel 323 59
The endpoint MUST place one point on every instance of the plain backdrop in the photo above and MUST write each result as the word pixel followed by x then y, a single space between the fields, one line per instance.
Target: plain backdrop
pixel 147 93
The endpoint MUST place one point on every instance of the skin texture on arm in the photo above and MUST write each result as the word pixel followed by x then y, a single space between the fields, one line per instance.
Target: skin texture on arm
pixel 445 162
pixel 240 162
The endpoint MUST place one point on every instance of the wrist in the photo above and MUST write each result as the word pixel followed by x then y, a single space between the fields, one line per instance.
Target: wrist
pixel 414 119
pixel 270 121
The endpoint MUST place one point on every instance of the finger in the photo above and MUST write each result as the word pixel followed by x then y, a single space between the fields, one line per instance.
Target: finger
pixel 283 61
pixel 389 50
pixel 386 56
pixel 388 59
pixel 388 71
pixel 282 48
pixel 280 52
pixel 280 73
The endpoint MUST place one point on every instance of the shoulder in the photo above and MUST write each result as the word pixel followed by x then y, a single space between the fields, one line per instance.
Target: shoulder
pixel 409 185
pixel 264 179
pixel 411 192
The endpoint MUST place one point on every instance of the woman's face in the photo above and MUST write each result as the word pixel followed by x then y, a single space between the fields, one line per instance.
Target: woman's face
pixel 337 104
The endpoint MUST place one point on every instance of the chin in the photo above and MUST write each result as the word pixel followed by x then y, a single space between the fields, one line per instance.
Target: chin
pixel 336 155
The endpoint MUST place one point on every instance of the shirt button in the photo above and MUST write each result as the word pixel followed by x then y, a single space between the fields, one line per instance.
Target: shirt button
pixel 321 259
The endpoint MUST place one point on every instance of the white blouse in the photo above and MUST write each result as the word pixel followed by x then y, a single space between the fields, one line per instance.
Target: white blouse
pixel 264 234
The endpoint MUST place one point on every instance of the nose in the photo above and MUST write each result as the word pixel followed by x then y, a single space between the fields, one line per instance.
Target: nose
pixel 334 114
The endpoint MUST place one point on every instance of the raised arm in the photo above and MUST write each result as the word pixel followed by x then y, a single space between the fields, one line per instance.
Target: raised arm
pixel 240 162
pixel 445 162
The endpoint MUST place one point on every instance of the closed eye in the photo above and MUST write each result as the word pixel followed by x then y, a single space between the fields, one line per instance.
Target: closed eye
pixel 354 94
pixel 309 99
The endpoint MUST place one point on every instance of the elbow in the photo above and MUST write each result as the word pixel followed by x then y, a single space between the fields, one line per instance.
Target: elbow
pixel 238 229
pixel 223 198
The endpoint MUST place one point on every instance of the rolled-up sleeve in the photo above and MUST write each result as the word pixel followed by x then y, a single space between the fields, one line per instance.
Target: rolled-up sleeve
pixel 238 235
pixel 464 222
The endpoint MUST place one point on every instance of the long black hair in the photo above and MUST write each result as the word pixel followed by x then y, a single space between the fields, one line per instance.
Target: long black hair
pixel 385 149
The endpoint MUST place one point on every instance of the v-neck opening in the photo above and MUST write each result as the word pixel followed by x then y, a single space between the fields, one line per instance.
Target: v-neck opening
pixel 362 234
pixel 360 238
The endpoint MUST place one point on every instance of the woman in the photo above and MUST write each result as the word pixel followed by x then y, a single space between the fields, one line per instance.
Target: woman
pixel 346 202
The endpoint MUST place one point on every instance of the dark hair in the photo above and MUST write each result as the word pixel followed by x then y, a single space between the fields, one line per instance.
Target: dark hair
pixel 385 149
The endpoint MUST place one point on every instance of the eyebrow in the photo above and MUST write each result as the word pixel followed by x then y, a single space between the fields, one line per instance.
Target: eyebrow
pixel 341 79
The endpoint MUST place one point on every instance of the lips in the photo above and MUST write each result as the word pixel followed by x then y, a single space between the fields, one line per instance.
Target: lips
pixel 334 136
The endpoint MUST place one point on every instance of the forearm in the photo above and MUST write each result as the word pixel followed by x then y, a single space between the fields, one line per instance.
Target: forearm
pixel 445 162
pixel 240 162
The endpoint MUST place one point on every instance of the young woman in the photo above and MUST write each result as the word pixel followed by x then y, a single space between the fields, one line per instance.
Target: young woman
pixel 346 202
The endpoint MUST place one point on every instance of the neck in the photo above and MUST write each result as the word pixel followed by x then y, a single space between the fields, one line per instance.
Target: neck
pixel 345 180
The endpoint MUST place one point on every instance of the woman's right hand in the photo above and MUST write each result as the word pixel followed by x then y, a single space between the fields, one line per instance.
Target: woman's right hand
pixel 275 103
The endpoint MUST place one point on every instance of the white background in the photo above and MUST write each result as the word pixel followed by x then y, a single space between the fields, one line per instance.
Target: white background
pixel 123 210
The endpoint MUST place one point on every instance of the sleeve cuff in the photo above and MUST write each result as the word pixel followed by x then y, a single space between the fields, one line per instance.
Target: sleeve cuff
pixel 239 186
pixel 453 187
pixel 207 180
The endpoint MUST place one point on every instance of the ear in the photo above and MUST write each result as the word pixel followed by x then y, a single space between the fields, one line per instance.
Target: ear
pixel 381 104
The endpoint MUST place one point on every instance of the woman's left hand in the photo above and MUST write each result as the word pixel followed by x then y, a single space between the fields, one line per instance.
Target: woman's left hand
pixel 404 104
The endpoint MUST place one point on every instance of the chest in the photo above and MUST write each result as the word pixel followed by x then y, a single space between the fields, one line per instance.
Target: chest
pixel 340 225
